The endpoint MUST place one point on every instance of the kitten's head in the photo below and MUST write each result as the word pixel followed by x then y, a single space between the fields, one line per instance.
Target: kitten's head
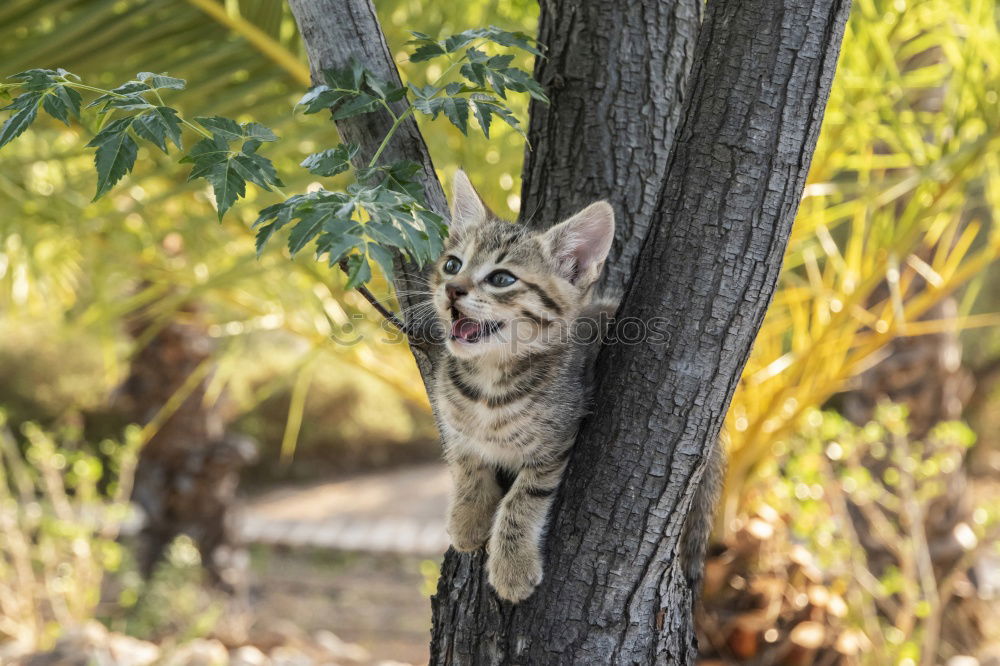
pixel 504 291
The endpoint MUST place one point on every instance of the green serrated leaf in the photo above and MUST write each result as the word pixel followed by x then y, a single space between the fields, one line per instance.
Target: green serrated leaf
pixel 435 229
pixel 483 112
pixel 226 128
pixel 339 236
pixel 127 90
pixel 254 167
pixel 114 158
pixel 227 170
pixel 521 81
pixel 456 109
pixel 418 245
pixel 158 125
pixel 396 94
pixel 307 229
pixel 36 80
pixel 358 270
pixel 423 92
pixel 508 117
pixel 128 103
pixel 383 258
pixel 519 40
pixel 110 130
pixel 332 161
pixel 501 61
pixel 269 213
pixel 485 108
pixel 362 103
pixel 161 81
pixel 387 234
pixel 264 234
pixel 457 41
pixel 278 215
pixel 347 79
pixel 56 108
pixel 476 72
pixel 60 102
pixel 319 98
pixel 205 155
pixel 227 184
pixel 477 56
pixel 427 51
pixel 258 132
pixel 384 89
pixel 399 178
pixel 27 110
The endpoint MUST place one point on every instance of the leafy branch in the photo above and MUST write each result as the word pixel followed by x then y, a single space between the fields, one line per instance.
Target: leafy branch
pixel 379 214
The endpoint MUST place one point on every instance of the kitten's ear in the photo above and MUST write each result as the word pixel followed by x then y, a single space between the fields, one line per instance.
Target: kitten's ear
pixel 467 208
pixel 581 243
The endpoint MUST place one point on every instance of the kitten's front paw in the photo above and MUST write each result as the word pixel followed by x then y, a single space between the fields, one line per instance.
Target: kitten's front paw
pixel 467 532
pixel 514 574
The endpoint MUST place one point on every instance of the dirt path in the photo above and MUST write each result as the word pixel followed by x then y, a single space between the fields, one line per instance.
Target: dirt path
pixel 358 556
pixel 399 511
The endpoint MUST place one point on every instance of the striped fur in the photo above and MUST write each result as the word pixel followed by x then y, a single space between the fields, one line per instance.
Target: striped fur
pixel 509 403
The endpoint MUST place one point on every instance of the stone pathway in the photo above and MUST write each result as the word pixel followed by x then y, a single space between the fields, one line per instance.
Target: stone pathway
pixel 399 511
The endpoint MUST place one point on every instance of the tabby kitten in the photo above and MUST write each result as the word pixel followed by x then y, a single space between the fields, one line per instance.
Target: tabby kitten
pixel 523 329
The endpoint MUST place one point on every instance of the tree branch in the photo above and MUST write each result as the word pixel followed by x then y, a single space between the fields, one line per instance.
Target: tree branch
pixel 617 94
pixel 334 31
pixel 386 313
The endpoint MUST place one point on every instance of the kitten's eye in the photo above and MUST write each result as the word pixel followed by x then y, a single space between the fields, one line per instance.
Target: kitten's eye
pixel 501 279
pixel 452 266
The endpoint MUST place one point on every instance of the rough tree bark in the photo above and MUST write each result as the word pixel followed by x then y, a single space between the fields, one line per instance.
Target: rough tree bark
pixel 716 208
pixel 615 105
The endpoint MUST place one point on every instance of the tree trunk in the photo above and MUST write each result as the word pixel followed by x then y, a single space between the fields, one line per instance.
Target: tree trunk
pixel 716 214
pixel 615 591
pixel 188 472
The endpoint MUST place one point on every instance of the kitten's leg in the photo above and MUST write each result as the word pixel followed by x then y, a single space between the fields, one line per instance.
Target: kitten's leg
pixel 474 500
pixel 515 562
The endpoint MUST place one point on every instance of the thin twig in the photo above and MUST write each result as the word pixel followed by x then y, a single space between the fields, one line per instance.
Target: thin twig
pixel 388 314
pixel 923 563
pixel 867 582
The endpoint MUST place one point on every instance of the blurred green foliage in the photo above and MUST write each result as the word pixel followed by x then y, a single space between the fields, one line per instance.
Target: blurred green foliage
pixel 71 271
pixel 873 508
pixel 61 507
pixel 173 606
pixel 900 212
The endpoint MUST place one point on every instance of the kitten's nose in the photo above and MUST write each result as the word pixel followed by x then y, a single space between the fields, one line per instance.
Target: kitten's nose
pixel 454 291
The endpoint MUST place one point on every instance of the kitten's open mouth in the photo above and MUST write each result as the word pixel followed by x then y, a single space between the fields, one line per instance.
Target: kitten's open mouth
pixel 469 330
